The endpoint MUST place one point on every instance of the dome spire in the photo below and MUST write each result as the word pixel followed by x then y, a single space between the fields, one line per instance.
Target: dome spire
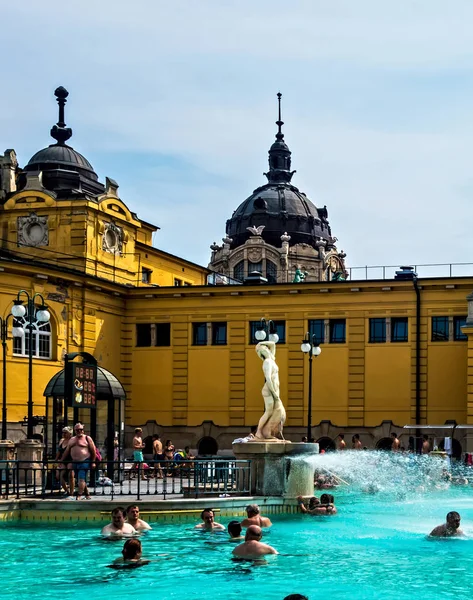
pixel 279 155
pixel 60 132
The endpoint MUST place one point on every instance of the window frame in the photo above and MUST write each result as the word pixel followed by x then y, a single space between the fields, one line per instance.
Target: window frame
pixel 215 326
pixel 458 323
pixel 396 321
pixel 313 325
pixel 196 327
pixel 167 334
pixel 374 336
pixel 333 323
pixel 438 319
pixel 42 332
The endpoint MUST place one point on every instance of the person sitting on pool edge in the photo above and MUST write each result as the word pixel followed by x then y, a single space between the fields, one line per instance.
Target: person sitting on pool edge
pixel 118 527
pixel 131 553
pixel 451 528
pixel 208 518
pixel 254 517
pixel 252 546
pixel 133 517
pixel 234 531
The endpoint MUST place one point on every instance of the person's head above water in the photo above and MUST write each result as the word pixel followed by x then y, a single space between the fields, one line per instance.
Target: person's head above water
pixel 253 533
pixel 327 499
pixel 207 515
pixel 118 518
pixel 453 520
pixel 296 597
pixel 314 501
pixel 234 529
pixel 132 549
pixel 252 510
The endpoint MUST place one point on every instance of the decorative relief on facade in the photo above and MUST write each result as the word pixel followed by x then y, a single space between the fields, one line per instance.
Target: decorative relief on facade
pixel 32 230
pixel 112 240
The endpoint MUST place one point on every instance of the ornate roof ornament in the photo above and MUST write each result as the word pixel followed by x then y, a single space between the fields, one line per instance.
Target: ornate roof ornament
pixel 60 132
pixel 285 237
pixel 279 155
pixel 256 230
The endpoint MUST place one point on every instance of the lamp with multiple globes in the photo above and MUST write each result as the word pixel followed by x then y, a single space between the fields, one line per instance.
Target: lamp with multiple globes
pixel 33 314
pixel 269 328
pixel 310 346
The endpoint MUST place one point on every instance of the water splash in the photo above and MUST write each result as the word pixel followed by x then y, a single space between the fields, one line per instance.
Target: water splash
pixel 378 471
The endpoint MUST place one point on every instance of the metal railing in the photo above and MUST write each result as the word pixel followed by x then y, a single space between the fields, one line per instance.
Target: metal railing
pixel 112 480
pixel 425 270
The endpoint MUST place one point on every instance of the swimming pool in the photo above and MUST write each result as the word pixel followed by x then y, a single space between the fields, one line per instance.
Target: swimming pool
pixel 375 547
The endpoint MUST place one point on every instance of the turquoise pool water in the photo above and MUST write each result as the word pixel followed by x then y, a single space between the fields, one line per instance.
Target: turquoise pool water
pixel 374 548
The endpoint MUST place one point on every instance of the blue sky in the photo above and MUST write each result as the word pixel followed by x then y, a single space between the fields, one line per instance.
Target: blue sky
pixel 177 101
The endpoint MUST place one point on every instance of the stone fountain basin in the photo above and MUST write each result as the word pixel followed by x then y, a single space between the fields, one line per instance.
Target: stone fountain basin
pixel 246 449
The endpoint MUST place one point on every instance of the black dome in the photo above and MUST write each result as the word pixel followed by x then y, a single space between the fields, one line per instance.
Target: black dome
pixel 61 156
pixel 108 385
pixel 281 208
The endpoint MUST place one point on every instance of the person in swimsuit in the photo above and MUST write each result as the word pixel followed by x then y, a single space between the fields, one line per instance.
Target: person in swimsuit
pixel 81 448
pixel 342 445
pixel 62 470
pixel 396 444
pixel 133 517
pixel 451 528
pixel 208 518
pixel 252 546
pixel 132 551
pixel 356 442
pixel 118 527
pixel 169 450
pixel 254 517
pixel 158 456
pixel 234 531
pixel 138 451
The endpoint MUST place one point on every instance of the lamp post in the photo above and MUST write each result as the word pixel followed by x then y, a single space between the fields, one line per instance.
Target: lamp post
pixel 4 336
pixel 311 347
pixel 266 328
pixel 33 314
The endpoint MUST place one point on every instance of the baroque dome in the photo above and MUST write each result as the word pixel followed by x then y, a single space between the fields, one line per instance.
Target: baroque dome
pixel 60 156
pixel 279 206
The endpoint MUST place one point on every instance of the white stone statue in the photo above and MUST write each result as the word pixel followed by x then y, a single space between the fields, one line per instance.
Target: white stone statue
pixel 271 423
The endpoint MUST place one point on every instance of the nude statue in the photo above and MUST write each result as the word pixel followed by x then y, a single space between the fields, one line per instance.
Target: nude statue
pixel 271 423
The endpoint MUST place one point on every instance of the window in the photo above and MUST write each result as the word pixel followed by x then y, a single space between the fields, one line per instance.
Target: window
pixel 317 329
pixel 199 334
pixel 252 267
pixel 239 270
pixel 177 282
pixel 337 331
pixel 146 275
pixel 143 334
pixel 458 323
pixel 280 330
pixel 163 334
pixel 377 331
pixel 42 347
pixel 271 272
pixel 219 334
pixel 440 329
pixel 398 329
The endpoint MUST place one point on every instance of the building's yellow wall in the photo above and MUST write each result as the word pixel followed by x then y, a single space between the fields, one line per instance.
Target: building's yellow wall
pixel 446 382
pixel 152 386
pixel 208 385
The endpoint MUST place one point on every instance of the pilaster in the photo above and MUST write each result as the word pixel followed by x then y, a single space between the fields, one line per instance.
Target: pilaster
pixel 180 361
pixel 356 369
pixel 236 341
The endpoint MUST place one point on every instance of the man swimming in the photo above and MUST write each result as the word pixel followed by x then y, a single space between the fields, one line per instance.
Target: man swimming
pixel 252 547
pixel 131 553
pixel 254 517
pixel 133 517
pixel 451 528
pixel 234 531
pixel 118 527
pixel 208 518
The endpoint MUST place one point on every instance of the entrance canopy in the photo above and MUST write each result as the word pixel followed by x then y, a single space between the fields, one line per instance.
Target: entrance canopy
pixel 108 386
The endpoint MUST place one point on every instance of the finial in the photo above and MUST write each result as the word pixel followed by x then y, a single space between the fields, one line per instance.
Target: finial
pixel 60 132
pixel 279 122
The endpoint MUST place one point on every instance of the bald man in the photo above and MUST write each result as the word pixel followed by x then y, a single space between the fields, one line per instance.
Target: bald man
pixel 252 546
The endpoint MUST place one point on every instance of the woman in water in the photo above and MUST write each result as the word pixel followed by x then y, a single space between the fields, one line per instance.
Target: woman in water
pixel 131 553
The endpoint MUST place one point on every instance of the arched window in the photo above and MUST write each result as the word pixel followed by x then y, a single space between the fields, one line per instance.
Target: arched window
pixel 42 346
pixel 239 270
pixel 271 272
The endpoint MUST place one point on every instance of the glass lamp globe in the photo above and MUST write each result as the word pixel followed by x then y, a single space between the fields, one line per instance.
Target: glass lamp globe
pixel 18 332
pixel 274 337
pixel 305 347
pixel 316 350
pixel 43 315
pixel 260 335
pixel 18 310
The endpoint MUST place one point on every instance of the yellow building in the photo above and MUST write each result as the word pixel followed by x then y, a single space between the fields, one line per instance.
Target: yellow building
pixel 394 352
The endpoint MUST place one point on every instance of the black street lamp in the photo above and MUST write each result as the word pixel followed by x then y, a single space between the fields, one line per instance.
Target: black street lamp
pixel 310 346
pixel 4 337
pixel 266 328
pixel 33 314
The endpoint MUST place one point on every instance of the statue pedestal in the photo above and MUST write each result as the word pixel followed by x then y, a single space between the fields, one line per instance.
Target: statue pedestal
pixel 29 453
pixel 279 468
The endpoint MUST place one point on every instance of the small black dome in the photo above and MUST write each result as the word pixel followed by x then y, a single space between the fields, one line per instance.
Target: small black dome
pixel 61 156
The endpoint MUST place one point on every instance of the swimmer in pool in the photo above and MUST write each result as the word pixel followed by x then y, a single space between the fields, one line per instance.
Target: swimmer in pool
pixel 252 547
pixel 451 528
pixel 312 506
pixel 133 518
pixel 118 527
pixel 209 524
pixel 234 531
pixel 254 517
pixel 131 553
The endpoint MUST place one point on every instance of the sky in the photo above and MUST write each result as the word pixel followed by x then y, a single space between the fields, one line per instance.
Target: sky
pixel 176 101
